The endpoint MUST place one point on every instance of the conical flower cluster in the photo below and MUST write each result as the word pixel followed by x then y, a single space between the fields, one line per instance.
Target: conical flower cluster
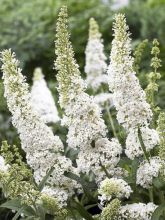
pixel 95 58
pixel 133 111
pixel 42 99
pixel 38 141
pixel 87 130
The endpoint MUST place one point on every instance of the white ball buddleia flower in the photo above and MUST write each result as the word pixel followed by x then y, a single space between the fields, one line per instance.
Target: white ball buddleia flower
pixel 42 148
pixel 129 99
pixel 82 114
pixel 138 211
pixel 113 187
pixel 147 171
pixel 42 99
pixel 95 65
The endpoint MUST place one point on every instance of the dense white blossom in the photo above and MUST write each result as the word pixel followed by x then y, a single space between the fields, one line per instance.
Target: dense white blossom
pixel 42 99
pixel 129 98
pixel 114 187
pixel 95 66
pixel 83 118
pixel 37 139
pixel 138 211
pixel 133 146
pixel 86 128
pixel 3 166
pixel 133 111
pixel 58 193
pixel 105 153
pixel 147 171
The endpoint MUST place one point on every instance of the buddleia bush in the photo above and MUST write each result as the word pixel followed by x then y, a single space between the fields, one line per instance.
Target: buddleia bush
pixel 110 165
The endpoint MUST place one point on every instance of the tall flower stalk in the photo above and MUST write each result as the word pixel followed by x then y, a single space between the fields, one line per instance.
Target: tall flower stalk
pixel 153 76
pixel 95 68
pixel 43 149
pixel 133 111
pixel 87 131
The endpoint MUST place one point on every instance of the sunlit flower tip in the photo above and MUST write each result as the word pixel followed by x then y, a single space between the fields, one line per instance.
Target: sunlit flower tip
pixel 94 29
pixel 69 80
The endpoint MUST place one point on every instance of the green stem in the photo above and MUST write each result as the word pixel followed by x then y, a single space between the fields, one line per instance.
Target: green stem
pixel 111 120
pixel 161 196
pixel 151 194
pixel 110 117
pixel 105 170
pixel 142 145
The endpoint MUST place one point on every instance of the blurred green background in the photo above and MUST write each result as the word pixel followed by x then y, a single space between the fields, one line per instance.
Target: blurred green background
pixel 28 27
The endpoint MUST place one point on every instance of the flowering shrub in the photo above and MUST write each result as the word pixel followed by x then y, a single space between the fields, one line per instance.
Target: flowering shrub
pixel 98 173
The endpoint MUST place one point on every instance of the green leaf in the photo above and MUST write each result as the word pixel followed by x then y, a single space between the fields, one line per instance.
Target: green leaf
pixel 17 214
pixel 15 204
pixel 90 206
pixel 159 213
pixel 83 211
pixel 87 186
pixel 159 184
pixel 42 183
pixel 41 212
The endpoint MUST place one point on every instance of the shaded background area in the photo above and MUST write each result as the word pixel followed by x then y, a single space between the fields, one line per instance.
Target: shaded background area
pixel 28 27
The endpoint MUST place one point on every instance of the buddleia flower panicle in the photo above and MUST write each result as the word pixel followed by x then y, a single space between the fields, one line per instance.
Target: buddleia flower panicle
pixel 138 54
pixel 17 180
pixel 153 77
pixel 42 99
pixel 114 188
pixel 70 82
pixel 133 111
pixel 95 60
pixel 42 148
pixel 86 128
